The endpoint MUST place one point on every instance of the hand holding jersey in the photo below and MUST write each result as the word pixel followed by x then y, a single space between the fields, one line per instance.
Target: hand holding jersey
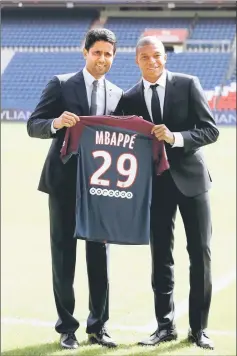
pixel 67 119
pixel 114 174
pixel 65 98
pixel 176 104
pixel 162 133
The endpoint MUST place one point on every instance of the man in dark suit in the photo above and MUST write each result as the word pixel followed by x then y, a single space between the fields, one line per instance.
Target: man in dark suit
pixel 66 98
pixel 176 104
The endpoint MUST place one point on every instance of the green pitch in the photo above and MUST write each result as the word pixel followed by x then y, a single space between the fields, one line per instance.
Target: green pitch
pixel 27 306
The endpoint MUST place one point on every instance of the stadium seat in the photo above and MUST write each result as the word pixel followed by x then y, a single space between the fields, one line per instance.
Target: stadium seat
pixel 28 73
pixel 44 28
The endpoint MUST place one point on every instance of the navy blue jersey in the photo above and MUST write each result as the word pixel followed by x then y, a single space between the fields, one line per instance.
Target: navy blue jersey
pixel 114 173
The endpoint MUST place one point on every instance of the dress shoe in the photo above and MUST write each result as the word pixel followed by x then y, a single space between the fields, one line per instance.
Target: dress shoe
pixel 201 339
pixel 160 336
pixel 101 338
pixel 69 341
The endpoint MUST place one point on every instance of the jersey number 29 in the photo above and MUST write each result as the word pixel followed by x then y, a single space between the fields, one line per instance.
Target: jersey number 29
pixel 130 173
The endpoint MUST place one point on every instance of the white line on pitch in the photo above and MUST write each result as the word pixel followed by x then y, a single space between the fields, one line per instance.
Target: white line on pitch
pixel 39 323
pixel 23 321
pixel 181 309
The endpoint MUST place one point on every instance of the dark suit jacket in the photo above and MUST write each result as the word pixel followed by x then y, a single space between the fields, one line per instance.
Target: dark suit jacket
pixel 185 110
pixel 65 92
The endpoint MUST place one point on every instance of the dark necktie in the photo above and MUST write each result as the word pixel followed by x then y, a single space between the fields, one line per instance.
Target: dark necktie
pixel 93 108
pixel 155 105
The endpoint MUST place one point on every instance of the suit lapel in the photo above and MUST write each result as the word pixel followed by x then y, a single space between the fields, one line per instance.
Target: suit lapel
pixel 141 102
pixel 169 95
pixel 80 89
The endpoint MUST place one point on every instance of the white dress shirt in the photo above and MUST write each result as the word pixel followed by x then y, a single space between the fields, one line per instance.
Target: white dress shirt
pixel 89 79
pixel 178 138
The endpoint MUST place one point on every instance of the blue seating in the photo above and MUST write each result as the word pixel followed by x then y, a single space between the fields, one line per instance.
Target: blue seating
pixel 128 30
pixel 27 74
pixel 45 29
pixel 209 67
pixel 233 77
pixel 214 29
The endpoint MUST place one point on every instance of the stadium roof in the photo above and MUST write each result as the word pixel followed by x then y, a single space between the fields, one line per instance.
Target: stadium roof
pixel 119 3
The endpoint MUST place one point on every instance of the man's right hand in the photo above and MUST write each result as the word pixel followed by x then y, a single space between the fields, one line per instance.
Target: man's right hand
pixel 67 119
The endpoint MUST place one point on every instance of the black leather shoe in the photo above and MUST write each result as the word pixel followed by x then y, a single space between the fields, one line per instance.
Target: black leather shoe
pixel 69 341
pixel 201 339
pixel 102 338
pixel 160 336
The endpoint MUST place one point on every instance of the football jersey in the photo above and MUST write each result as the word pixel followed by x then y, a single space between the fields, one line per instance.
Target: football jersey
pixel 116 158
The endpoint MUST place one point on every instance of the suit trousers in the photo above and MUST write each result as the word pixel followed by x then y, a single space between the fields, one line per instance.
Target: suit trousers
pixel 63 252
pixel 195 212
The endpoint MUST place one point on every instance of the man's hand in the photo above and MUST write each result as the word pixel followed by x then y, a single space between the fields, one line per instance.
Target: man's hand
pixel 67 119
pixel 163 133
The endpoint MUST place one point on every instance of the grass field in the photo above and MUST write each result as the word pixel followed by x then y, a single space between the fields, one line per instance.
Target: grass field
pixel 27 305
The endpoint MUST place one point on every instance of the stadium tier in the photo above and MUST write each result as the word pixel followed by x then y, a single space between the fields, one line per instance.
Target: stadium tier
pixel 27 73
pixel 128 30
pixel 44 28
pixel 233 76
pixel 47 29
pixel 214 29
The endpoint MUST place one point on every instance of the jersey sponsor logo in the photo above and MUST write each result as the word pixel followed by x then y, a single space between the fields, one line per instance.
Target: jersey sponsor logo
pixel 111 193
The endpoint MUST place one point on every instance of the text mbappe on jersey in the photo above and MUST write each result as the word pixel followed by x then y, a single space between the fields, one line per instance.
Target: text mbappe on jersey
pixel 115 139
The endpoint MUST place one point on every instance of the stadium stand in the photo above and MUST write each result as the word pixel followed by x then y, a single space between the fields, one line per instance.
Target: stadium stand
pixel 128 30
pixel 45 28
pixel 28 73
pixel 214 29
pixel 51 41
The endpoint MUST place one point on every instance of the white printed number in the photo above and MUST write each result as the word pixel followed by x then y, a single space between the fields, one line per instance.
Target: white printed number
pixel 130 173
pixel 95 178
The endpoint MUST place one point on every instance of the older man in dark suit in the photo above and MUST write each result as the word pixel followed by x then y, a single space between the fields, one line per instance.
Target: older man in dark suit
pixel 177 105
pixel 63 101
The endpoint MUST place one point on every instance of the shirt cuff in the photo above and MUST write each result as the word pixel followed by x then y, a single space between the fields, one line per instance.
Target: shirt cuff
pixel 53 130
pixel 178 140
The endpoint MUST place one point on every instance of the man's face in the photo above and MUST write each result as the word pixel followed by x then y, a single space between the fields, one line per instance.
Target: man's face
pixel 99 58
pixel 151 60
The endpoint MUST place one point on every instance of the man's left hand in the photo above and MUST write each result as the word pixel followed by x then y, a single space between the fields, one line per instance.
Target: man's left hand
pixel 163 133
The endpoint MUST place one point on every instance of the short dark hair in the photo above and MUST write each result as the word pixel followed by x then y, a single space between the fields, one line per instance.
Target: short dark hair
pixel 147 40
pixel 100 34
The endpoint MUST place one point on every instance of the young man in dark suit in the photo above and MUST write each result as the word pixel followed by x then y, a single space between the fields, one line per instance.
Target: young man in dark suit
pixel 66 98
pixel 177 105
